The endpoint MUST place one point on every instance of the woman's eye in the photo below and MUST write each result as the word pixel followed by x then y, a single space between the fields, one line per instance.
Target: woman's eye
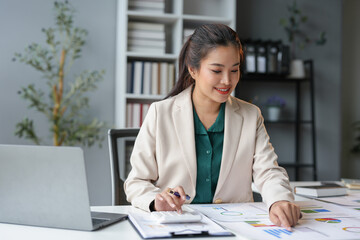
pixel 234 71
pixel 215 71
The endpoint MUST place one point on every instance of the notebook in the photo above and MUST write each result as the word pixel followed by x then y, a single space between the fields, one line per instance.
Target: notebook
pixel 46 186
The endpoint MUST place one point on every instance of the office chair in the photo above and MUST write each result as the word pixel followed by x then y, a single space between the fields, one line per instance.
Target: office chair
pixel 121 143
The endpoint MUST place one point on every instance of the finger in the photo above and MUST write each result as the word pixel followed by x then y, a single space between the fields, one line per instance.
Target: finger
pixel 181 191
pixel 168 200
pixel 295 214
pixel 274 219
pixel 284 221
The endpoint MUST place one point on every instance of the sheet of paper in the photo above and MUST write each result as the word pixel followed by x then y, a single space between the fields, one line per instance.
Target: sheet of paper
pixel 353 199
pixel 317 209
pixel 232 212
pixel 315 228
pixel 149 228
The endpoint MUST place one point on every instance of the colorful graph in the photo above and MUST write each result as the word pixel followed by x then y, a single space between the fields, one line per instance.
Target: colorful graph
pixel 328 220
pixel 231 213
pixel 319 210
pixel 276 232
pixel 258 224
pixel 352 229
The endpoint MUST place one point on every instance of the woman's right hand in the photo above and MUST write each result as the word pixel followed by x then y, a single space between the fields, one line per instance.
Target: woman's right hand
pixel 166 201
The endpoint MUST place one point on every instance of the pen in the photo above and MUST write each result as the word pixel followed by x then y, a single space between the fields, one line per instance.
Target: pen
pixel 178 194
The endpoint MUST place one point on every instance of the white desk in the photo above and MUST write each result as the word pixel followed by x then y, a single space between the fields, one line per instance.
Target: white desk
pixel 120 230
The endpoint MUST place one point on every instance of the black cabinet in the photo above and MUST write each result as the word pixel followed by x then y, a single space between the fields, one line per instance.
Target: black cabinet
pixel 296 166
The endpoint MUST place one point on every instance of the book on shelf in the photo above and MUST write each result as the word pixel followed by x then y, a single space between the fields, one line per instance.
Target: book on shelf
pixel 171 77
pixel 154 78
pixel 323 190
pixel 144 34
pixel 135 114
pixel 147 42
pixel 164 78
pixel 146 83
pixel 351 183
pixel 146 49
pixel 146 37
pixel 146 26
pixel 157 6
pixel 137 76
pixel 150 78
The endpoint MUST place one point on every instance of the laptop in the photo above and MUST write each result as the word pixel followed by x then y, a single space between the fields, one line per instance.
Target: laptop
pixel 46 186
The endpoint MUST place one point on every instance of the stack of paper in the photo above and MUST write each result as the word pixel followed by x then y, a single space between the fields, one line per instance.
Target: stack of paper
pixel 146 37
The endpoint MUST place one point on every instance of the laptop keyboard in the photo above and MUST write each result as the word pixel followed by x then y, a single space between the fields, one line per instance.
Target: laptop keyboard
pixel 97 221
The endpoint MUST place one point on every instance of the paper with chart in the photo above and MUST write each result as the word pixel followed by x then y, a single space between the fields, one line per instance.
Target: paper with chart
pixel 316 228
pixel 233 211
pixel 148 227
pixel 320 221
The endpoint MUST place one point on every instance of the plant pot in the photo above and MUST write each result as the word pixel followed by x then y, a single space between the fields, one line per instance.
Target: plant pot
pixel 297 69
pixel 274 113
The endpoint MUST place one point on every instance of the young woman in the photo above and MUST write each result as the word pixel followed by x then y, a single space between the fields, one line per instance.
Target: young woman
pixel 202 142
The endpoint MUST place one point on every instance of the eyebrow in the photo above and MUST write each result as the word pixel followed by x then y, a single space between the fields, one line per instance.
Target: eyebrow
pixel 221 65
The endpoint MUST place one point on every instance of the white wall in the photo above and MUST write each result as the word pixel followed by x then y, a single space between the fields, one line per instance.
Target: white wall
pixel 20 24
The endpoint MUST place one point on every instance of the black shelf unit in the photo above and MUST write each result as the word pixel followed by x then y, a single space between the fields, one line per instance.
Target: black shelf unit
pixel 298 122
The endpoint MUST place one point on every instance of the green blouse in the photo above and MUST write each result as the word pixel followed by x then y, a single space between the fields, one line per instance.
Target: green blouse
pixel 209 148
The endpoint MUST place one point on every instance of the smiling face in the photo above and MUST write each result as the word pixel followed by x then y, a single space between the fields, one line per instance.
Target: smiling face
pixel 217 76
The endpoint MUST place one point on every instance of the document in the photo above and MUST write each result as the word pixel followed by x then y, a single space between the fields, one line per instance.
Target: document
pixel 233 212
pixel 148 227
pixel 352 199
pixel 320 220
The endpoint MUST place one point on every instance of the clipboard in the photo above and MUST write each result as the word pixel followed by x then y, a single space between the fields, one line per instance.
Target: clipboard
pixel 148 228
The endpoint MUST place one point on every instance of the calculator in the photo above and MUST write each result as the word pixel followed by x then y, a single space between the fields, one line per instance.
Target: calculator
pixel 175 217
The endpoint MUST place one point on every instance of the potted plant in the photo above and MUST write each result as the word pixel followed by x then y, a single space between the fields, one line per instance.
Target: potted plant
pixel 298 38
pixel 60 98
pixel 274 104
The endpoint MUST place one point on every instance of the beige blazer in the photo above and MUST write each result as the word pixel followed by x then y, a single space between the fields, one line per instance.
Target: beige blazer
pixel 164 155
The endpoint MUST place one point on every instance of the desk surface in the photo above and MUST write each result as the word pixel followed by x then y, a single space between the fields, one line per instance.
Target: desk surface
pixel 123 230
pixel 120 230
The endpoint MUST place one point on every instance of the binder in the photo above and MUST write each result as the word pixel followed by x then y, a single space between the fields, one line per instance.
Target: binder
pixel 148 228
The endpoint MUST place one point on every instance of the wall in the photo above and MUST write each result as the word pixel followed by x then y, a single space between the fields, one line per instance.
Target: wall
pixel 351 86
pixel 259 19
pixel 20 24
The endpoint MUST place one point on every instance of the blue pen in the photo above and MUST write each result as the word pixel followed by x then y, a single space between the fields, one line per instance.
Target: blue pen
pixel 178 194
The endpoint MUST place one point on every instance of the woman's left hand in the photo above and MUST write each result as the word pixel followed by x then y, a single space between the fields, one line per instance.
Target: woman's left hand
pixel 285 214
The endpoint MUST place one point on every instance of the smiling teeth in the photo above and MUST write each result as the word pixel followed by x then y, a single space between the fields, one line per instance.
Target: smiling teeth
pixel 223 90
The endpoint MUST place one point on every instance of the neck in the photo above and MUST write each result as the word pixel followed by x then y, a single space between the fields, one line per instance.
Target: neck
pixel 203 107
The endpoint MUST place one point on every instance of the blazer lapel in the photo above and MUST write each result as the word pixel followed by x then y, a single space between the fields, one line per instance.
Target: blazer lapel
pixel 232 133
pixel 184 127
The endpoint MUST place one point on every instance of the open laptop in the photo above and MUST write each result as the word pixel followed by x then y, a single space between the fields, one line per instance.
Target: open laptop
pixel 46 186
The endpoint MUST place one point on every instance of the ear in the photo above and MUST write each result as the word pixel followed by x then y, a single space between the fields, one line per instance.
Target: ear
pixel 192 72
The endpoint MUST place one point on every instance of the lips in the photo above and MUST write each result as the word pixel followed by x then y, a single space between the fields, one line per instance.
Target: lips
pixel 223 90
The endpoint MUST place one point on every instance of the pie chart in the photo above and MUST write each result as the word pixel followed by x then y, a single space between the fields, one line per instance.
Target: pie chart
pixel 328 220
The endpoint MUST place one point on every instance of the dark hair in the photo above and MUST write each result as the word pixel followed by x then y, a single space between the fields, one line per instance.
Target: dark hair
pixel 198 45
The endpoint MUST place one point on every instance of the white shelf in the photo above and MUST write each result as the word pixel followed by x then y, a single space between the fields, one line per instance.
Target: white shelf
pixel 207 19
pixel 166 56
pixel 179 14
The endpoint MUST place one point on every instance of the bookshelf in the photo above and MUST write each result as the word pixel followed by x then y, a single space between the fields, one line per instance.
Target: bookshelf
pixel 298 120
pixel 175 16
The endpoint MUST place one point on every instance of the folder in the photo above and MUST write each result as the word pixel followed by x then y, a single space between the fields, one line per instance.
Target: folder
pixel 148 228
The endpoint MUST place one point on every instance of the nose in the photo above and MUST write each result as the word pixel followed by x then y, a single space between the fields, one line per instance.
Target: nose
pixel 226 79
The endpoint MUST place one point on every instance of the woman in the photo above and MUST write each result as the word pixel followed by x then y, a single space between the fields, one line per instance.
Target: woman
pixel 203 142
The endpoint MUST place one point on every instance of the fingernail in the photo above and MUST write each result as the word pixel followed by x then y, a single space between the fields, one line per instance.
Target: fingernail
pixel 161 199
pixel 172 205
